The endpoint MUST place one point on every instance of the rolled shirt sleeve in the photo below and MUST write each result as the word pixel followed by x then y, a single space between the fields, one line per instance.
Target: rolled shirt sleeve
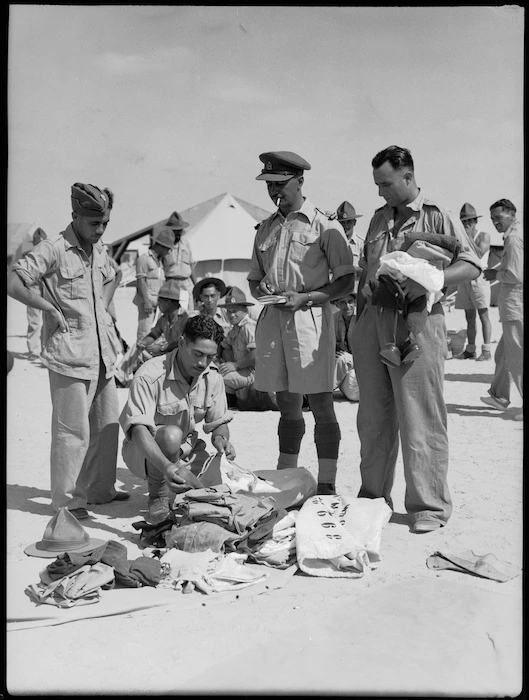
pixel 140 408
pixel 217 412
pixel 35 264
pixel 337 251
pixel 142 266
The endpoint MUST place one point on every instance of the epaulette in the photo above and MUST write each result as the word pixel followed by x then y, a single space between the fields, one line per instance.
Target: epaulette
pixel 328 215
pixel 431 203
pixel 260 223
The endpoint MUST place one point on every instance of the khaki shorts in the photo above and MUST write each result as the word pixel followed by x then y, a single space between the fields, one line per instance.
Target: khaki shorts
pixel 295 350
pixel 473 295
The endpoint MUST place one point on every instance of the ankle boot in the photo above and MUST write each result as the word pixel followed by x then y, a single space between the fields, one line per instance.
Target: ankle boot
pixel 159 497
pixel 410 351
pixel 390 355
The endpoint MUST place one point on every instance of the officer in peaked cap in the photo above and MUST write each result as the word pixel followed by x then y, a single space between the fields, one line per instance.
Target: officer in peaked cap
pixel 296 252
pixel 281 165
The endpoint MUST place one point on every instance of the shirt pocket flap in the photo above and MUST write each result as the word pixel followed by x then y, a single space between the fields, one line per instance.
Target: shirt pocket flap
pixel 267 244
pixel 71 272
pixel 171 407
pixel 304 237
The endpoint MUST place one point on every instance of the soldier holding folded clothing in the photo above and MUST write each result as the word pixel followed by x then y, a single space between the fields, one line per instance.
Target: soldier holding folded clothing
pixel 407 398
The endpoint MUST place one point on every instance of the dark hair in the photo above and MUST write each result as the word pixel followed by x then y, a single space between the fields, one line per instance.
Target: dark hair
pixel 203 327
pixel 396 156
pixel 504 204
pixel 212 284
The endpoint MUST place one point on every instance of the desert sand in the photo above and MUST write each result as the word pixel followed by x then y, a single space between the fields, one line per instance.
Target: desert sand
pixel 402 629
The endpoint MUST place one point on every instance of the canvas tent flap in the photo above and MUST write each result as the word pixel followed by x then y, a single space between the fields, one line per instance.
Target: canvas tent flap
pixel 19 239
pixel 219 228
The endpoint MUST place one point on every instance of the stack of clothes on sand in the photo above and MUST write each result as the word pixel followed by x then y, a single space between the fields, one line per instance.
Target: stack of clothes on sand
pixel 222 537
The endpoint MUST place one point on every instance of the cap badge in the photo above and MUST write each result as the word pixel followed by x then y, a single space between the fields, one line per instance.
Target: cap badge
pixel 269 165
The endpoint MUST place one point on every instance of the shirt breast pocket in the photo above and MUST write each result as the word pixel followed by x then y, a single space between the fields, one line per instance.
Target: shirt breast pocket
pixel 267 248
pixel 200 401
pixel 72 282
pixel 305 248
pixel 171 407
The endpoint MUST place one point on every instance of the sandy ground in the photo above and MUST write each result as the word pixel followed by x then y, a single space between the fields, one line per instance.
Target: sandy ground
pixel 401 629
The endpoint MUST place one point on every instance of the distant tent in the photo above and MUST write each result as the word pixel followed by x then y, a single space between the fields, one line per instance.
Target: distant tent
pixel 221 233
pixel 19 240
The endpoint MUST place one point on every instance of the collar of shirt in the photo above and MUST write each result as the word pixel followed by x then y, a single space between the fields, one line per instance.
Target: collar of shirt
pixel 307 209
pixel 417 203
pixel 73 242
pixel 173 371
pixel 153 256
pixel 512 228
pixel 244 320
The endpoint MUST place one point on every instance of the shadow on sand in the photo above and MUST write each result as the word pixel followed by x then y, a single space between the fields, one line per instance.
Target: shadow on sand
pixel 476 378
pixel 22 498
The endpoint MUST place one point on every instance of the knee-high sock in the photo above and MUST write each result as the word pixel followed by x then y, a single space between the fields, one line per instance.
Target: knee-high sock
pixel 327 438
pixel 290 433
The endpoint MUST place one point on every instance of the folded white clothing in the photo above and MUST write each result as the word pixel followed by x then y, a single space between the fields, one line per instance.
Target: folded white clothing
pixel 337 536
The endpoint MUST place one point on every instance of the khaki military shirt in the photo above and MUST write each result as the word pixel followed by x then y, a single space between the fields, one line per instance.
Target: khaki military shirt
pixel 73 282
pixel 510 274
pixel 425 216
pixel 159 395
pixel 149 267
pixel 300 252
pixel 179 263
pixel 241 338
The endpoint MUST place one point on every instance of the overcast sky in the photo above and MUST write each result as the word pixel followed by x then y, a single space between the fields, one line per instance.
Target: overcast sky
pixel 172 105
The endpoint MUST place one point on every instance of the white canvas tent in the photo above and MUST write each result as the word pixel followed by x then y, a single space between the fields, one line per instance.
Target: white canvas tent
pixel 221 233
pixel 19 239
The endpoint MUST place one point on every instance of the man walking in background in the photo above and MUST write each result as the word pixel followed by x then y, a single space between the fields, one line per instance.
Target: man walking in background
pixel 149 279
pixel 78 350
pixel 406 399
pixel 474 295
pixel 296 251
pixel 509 353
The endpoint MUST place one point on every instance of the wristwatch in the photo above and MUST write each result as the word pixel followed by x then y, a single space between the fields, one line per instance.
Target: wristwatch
pixel 310 301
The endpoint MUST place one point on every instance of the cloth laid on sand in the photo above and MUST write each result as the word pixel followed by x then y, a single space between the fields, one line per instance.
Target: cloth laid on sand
pixel 218 469
pixel 279 550
pixel 22 614
pixel 289 488
pixel 197 537
pixel 132 574
pixel 209 572
pixel 81 587
pixel 236 512
pixel 337 536
pixel 467 562
pixel 235 521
